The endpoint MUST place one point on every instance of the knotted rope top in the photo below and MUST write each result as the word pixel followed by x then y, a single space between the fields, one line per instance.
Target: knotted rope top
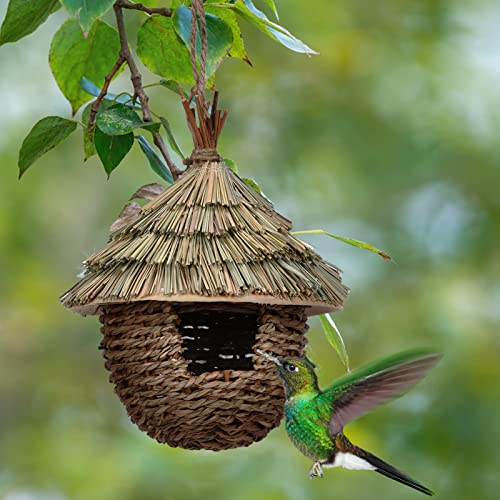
pixel 203 155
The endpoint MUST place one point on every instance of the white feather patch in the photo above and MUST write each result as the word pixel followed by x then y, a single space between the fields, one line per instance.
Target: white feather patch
pixel 351 462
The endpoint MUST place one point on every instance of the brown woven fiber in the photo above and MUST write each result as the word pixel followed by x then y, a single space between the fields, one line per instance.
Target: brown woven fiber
pixel 215 410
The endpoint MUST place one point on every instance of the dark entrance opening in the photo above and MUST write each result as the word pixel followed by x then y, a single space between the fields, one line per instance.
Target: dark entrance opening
pixel 218 339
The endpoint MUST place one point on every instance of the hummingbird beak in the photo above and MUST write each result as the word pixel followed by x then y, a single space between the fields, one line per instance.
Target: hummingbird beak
pixel 270 357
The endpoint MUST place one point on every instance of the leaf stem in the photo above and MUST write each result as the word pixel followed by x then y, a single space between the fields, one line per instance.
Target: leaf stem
pixel 136 79
pixel 121 94
pixel 149 85
pixel 107 80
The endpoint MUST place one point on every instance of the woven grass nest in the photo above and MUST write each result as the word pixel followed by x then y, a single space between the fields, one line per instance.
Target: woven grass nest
pixel 186 294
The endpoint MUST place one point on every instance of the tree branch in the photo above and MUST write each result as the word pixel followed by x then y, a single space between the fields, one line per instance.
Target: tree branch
pixel 163 11
pixel 136 79
pixel 135 76
pixel 104 91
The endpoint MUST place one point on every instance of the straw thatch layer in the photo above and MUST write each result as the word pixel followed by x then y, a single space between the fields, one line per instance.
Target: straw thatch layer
pixel 208 235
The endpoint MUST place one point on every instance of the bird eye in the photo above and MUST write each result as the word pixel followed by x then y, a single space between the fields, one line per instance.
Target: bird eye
pixel 292 368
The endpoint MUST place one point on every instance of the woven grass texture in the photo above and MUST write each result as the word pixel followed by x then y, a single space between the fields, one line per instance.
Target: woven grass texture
pixel 208 235
pixel 145 353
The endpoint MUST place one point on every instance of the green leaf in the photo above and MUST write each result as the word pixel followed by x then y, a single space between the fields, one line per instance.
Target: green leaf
pixel 229 17
pixel 89 87
pixel 211 83
pixel 73 57
pixel 272 6
pixel 87 11
pixel 155 161
pixel 335 339
pixel 252 184
pixel 24 17
pixel 152 127
pixel 219 37
pixel 88 143
pixel 112 148
pixel 349 241
pixel 171 85
pixel 44 136
pixel 247 10
pixel 171 138
pixel 94 90
pixel 232 165
pixel 118 120
pixel 176 87
pixel 88 135
pixel 157 36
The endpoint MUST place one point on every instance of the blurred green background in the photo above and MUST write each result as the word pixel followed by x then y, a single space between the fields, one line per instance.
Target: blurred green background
pixel 391 136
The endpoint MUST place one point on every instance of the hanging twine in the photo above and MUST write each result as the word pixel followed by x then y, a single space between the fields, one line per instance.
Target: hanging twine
pixel 207 129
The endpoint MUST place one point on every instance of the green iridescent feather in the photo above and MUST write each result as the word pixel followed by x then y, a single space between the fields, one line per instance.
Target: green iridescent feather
pixel 315 419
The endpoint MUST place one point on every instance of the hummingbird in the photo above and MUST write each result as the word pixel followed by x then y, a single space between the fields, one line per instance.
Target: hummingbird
pixel 315 418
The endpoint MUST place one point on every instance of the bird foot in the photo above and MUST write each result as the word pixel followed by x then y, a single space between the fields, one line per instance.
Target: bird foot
pixel 316 470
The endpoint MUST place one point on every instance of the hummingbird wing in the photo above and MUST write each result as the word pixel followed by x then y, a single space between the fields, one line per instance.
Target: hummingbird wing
pixel 359 392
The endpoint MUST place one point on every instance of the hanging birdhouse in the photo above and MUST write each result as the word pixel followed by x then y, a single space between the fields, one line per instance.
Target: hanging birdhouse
pixel 187 293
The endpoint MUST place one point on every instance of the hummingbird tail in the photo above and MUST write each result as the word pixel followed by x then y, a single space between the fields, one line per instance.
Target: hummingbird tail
pixel 389 471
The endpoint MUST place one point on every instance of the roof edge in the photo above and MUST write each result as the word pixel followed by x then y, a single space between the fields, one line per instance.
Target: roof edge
pixel 313 307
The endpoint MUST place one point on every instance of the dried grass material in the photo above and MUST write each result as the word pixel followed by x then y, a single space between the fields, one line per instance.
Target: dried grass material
pixel 209 235
pixel 216 410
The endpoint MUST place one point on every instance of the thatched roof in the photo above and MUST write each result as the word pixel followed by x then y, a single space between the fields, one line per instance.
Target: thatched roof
pixel 208 237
